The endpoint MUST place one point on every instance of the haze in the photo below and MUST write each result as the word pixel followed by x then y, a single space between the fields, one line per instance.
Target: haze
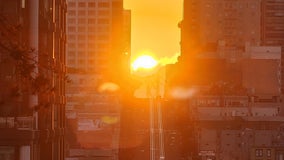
pixel 155 26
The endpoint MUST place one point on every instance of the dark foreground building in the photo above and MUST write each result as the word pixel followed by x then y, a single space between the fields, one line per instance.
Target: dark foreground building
pixel 32 79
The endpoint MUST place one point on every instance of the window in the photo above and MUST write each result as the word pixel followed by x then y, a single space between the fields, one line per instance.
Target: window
pixel 81 29
pixel 91 4
pixel 91 28
pixel 103 12
pixel 71 29
pixel 258 152
pixel 91 21
pixel 71 54
pixel 72 20
pixel 91 37
pixel 81 37
pixel 103 4
pixel 268 152
pixel 82 4
pixel 71 37
pixel 71 61
pixel 103 28
pixel 103 21
pixel 71 13
pixel 82 21
pixel 91 12
pixel 103 37
pixel 81 13
pixel 71 4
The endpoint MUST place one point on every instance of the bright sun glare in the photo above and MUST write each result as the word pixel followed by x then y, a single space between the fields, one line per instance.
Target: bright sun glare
pixel 144 62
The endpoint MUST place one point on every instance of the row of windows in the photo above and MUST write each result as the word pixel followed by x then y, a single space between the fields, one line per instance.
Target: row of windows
pixel 260 152
pixel 72 46
pixel 89 4
pixel 100 29
pixel 89 21
pixel 90 12
pixel 232 5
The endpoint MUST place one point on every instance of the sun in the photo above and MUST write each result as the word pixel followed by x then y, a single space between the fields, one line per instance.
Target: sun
pixel 144 62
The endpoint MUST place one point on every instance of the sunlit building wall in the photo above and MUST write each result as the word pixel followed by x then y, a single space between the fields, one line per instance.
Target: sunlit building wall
pixel 94 32
pixel 230 26
pixel 34 130
pixel 207 23
pixel 272 26
pixel 98 52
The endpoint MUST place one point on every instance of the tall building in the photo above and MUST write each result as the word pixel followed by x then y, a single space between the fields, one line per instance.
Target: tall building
pixel 95 30
pixel 231 65
pixel 272 26
pixel 207 23
pixel 32 73
pixel 98 55
pixel 227 27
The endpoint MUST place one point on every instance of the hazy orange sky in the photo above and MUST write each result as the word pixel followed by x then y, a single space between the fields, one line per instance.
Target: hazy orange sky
pixel 155 26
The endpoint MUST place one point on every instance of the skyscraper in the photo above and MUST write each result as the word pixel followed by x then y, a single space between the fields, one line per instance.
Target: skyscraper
pixel 272 27
pixel 207 23
pixel 98 53
pixel 228 28
pixel 32 76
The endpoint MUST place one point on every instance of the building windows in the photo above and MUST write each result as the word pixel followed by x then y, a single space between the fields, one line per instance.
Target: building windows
pixel 91 21
pixel 81 29
pixel 71 53
pixel 103 21
pixel 71 61
pixel 91 29
pixel 103 12
pixel 71 13
pixel 91 37
pixel 82 20
pixel 71 4
pixel 82 4
pixel 103 4
pixel 268 152
pixel 81 37
pixel 72 29
pixel 103 37
pixel 81 13
pixel 71 37
pixel 103 28
pixel 258 152
pixel 92 12
pixel 92 4
pixel 71 20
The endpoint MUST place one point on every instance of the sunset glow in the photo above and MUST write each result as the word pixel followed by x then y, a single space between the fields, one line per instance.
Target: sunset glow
pixel 154 26
pixel 144 62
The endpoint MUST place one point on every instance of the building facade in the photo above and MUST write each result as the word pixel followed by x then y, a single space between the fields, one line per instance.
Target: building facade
pixel 98 57
pixel 239 129
pixel 211 26
pixel 272 26
pixel 33 78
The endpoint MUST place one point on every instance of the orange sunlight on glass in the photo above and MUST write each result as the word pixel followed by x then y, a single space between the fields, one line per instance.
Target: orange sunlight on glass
pixel 144 62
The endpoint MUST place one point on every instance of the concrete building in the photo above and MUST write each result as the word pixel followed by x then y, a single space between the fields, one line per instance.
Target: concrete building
pixel 272 32
pixel 98 57
pixel 32 119
pixel 240 129
pixel 208 25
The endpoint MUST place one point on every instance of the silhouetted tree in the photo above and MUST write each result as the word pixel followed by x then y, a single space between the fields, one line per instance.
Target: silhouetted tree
pixel 19 66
